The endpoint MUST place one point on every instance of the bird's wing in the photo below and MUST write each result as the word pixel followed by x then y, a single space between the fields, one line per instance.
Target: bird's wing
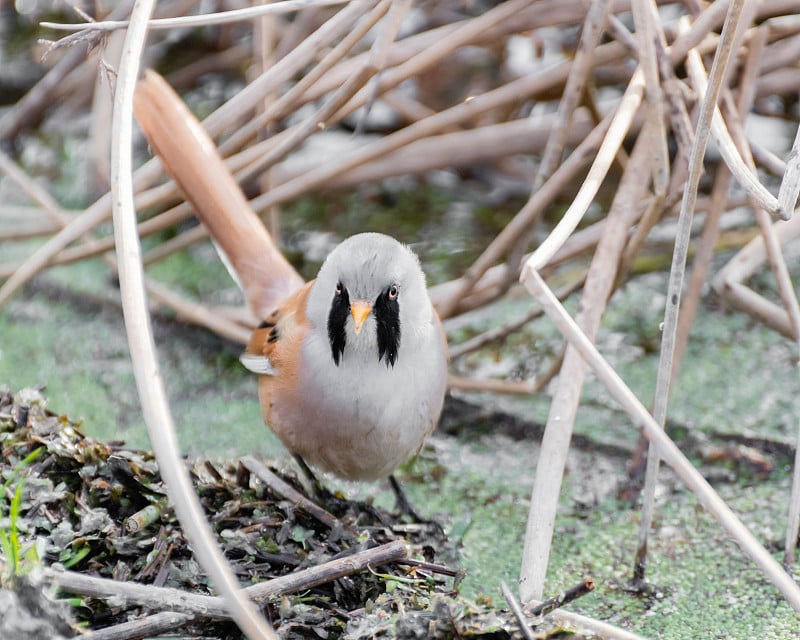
pixel 190 157
pixel 274 346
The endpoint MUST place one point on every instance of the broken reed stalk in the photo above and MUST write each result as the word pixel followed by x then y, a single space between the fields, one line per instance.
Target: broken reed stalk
pixel 560 599
pixel 165 598
pixel 145 627
pixel 152 396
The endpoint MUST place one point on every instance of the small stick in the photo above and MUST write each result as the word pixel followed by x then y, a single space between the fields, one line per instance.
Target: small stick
pixel 289 492
pixel 524 625
pixel 560 599
pixel 221 17
pixel 146 627
pixel 464 383
pixel 143 518
pixel 160 598
pixel 494 335
pixel 430 566
pixel 601 629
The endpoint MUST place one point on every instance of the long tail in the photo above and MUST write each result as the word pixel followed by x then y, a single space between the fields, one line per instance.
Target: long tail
pixel 190 157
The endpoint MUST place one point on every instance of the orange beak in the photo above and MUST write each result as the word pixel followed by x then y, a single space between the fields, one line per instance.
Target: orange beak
pixel 359 309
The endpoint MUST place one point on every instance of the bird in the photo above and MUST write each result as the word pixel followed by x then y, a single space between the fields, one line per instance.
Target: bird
pixel 352 365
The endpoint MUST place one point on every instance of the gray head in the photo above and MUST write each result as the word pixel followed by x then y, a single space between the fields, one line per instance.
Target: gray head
pixel 371 299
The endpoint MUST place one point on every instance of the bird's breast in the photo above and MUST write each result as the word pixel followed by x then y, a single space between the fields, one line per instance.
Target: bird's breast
pixel 359 419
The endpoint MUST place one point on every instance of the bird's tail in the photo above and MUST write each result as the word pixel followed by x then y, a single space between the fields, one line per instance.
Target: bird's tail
pixel 190 157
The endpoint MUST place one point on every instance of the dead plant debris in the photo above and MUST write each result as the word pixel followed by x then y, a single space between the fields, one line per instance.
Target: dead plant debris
pixel 78 513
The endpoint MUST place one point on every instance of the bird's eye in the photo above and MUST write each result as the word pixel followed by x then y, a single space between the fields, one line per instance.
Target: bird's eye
pixel 394 290
pixel 338 288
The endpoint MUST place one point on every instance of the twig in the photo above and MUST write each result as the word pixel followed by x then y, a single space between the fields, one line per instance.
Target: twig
pixel 493 335
pixel 379 54
pixel 431 567
pixel 145 627
pixel 744 176
pixel 155 406
pixel 524 625
pixel 533 208
pixel 289 492
pixel 560 599
pixel 34 191
pixel 573 91
pixel 513 387
pixel 290 98
pixel 592 30
pixel 160 598
pixel 719 194
pixel 619 127
pixel 222 17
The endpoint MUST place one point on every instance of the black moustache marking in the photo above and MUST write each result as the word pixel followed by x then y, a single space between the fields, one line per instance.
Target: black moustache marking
pixel 387 316
pixel 337 317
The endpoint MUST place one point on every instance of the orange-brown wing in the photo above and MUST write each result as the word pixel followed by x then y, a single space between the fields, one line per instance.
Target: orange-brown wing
pixel 274 347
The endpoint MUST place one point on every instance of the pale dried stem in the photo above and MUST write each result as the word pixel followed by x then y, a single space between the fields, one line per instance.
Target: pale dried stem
pixel 573 91
pixel 719 198
pixel 620 125
pixel 152 395
pixel 287 491
pixel 645 17
pixel 379 55
pixel 198 314
pixel 678 267
pixel 510 387
pixel 209 19
pixel 563 408
pixel 36 193
pixel 733 158
pixel 526 217
pixel 500 333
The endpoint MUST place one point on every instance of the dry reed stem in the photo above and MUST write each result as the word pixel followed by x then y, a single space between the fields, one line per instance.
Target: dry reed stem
pixel 645 16
pixel 379 54
pixel 573 91
pixel 204 20
pixel 291 99
pixel 522 621
pixel 287 491
pixel 738 167
pixel 591 31
pixel 149 626
pixel 155 406
pixel 623 118
pixel 526 217
pixel 719 198
pixel 558 431
pixel 708 111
